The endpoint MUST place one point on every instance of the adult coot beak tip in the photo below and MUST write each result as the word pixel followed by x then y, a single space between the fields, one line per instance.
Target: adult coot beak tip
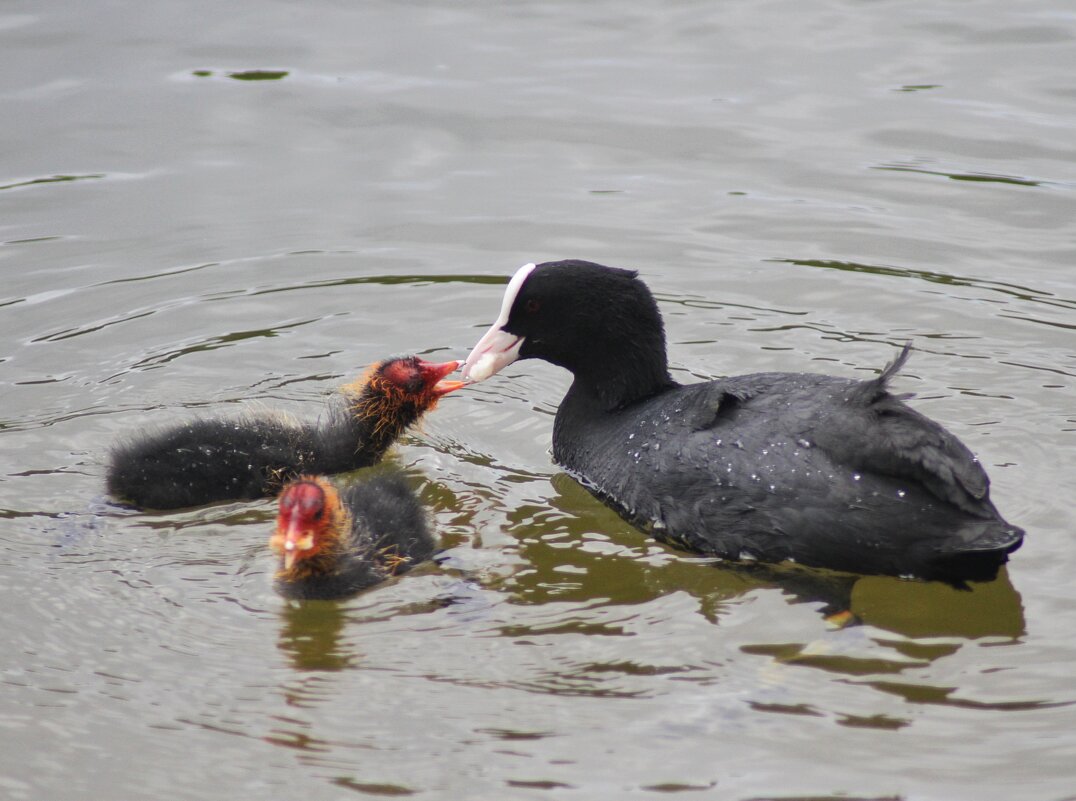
pixel 494 351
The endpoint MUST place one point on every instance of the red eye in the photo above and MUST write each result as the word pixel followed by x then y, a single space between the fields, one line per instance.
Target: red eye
pixel 532 306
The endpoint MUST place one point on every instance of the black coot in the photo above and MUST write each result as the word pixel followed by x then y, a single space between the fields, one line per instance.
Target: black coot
pixel 332 544
pixel 816 469
pixel 205 460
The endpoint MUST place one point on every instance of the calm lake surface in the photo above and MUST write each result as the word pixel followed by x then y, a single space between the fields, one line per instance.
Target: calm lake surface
pixel 214 207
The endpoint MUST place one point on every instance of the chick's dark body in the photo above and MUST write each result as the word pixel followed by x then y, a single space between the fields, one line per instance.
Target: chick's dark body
pixel 387 534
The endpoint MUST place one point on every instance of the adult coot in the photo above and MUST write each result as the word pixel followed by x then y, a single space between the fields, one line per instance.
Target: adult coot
pixel 332 544
pixel 816 469
pixel 205 460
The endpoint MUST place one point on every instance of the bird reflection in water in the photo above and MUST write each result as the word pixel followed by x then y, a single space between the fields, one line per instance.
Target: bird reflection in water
pixel 311 636
pixel 608 558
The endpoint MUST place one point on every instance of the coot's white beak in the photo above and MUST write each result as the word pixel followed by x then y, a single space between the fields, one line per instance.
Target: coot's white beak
pixel 497 348
pixel 494 351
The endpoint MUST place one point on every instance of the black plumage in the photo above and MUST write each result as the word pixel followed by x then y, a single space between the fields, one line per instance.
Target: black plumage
pixel 334 543
pixel 821 470
pixel 201 461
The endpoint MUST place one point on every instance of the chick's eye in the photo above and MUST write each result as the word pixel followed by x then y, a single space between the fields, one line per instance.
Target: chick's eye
pixel 532 306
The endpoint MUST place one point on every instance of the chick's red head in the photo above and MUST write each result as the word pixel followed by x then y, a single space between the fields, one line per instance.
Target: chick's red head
pixel 396 392
pixel 416 379
pixel 304 521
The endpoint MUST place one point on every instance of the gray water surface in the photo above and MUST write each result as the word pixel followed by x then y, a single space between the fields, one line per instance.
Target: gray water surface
pixel 214 207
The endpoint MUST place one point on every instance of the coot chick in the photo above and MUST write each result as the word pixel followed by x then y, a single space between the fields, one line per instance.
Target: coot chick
pixel 820 470
pixel 332 544
pixel 206 460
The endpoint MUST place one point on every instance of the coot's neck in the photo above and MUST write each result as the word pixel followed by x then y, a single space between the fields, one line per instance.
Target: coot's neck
pixel 588 414
pixel 377 421
pixel 617 376
pixel 360 427
pixel 323 563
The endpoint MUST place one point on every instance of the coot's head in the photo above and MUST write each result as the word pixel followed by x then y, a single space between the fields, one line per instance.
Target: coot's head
pixel 599 322
pixel 414 379
pixel 309 521
pixel 394 393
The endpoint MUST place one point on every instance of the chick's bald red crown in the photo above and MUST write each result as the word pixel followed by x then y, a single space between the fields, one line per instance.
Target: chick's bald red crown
pixel 415 375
